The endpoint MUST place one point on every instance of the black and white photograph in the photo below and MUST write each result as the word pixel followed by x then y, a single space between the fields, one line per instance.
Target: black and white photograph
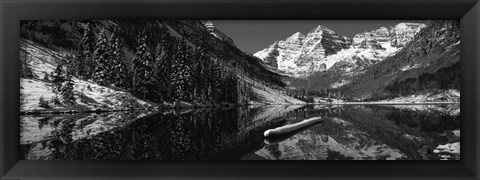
pixel 239 89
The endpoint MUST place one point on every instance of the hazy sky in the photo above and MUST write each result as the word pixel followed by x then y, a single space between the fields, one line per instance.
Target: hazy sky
pixel 255 35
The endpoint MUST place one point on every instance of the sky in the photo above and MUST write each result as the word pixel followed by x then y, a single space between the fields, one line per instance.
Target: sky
pixel 255 35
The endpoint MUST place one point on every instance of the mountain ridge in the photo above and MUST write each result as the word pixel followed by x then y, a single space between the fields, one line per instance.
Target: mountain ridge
pixel 300 55
pixel 427 64
pixel 156 58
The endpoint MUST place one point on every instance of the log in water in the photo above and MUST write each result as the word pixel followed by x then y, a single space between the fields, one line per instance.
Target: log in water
pixel 291 127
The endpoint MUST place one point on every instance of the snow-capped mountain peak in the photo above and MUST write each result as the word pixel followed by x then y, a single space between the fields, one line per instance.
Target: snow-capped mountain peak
pixel 321 48
pixel 297 53
pixel 295 37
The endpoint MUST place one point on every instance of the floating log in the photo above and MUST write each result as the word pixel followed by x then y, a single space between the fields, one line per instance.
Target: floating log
pixel 282 137
pixel 291 127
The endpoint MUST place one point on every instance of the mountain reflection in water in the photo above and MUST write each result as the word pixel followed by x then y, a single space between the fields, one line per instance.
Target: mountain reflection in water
pixel 348 132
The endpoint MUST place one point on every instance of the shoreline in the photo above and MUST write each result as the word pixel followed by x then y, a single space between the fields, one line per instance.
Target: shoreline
pixel 41 112
pixel 395 103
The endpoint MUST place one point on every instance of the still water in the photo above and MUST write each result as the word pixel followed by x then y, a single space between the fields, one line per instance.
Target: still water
pixel 347 132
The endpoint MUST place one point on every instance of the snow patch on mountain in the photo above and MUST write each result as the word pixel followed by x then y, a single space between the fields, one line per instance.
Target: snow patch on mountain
pixel 300 55
pixel 339 84
pixel 408 67
pixel 267 95
pixel 89 96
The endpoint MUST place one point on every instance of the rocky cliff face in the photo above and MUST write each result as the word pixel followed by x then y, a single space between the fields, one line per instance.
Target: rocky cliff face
pixel 371 47
pixel 429 62
pixel 396 36
pixel 215 32
pixel 322 48
pixel 298 54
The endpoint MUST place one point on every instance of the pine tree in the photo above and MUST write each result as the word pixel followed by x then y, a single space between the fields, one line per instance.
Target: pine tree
pixel 57 78
pixel 84 56
pixel 208 79
pixel 200 66
pixel 215 82
pixel 70 61
pixel 162 69
pixel 142 78
pixel 101 56
pixel 188 74
pixel 25 70
pixel 113 37
pixel 55 100
pixel 181 72
pixel 197 76
pixel 46 76
pixel 119 70
pixel 43 103
pixel 67 89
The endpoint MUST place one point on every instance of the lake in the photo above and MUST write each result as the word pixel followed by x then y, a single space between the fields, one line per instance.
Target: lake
pixel 347 132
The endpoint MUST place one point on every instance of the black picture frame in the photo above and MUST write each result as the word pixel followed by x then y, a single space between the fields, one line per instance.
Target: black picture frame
pixel 12 11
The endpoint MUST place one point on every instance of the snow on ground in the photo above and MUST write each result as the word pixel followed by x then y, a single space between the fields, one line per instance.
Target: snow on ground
pixel 324 100
pixel 95 97
pixel 272 96
pixel 425 101
pixel 41 59
pixel 452 95
pixel 456 133
pixel 408 67
pixel 339 84
pixel 412 137
pixel 453 148
pixel 450 109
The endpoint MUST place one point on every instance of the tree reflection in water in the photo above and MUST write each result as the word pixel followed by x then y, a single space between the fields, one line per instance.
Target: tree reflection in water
pixel 347 132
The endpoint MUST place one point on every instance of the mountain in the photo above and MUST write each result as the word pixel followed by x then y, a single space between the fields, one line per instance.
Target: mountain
pixel 398 36
pixel 154 63
pixel 217 33
pixel 429 63
pixel 222 48
pixel 420 61
pixel 322 48
pixel 299 52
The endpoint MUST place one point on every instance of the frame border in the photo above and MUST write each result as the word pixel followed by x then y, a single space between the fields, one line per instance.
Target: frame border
pixel 468 11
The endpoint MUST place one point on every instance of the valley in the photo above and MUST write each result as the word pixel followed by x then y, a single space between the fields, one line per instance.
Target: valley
pixel 378 65
pixel 405 63
pixel 183 90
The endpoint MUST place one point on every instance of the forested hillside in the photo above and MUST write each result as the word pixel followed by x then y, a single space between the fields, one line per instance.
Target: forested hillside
pixel 162 62
pixel 428 63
